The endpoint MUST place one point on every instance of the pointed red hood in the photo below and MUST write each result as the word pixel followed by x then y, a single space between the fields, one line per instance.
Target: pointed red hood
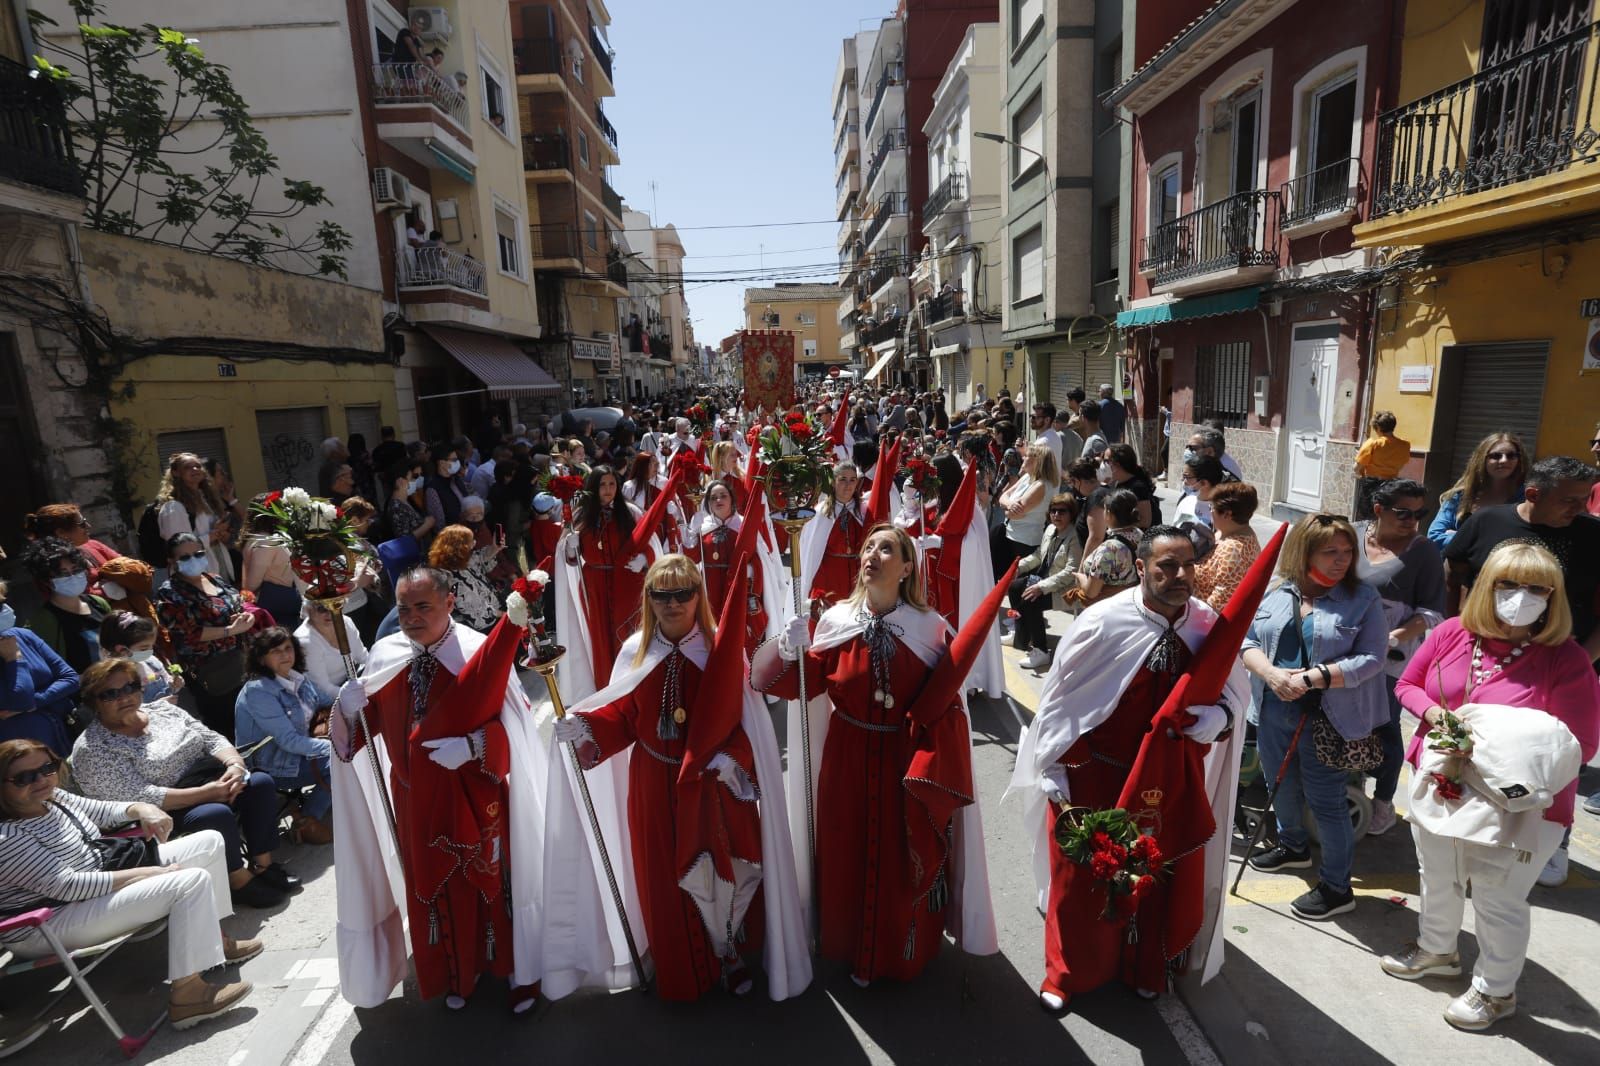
pixel 878 504
pixel 955 524
pixel 656 516
pixel 752 468
pixel 480 687
pixel 840 418
pixel 950 673
pixel 719 705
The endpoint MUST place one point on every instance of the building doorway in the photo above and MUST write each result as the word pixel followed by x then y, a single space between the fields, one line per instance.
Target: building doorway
pixel 1308 412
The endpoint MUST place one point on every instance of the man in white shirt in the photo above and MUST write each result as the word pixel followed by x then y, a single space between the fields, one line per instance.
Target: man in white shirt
pixel 1043 425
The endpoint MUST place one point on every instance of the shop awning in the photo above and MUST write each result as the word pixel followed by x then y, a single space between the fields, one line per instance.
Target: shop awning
pixel 451 163
pixel 499 364
pixel 1217 303
pixel 946 350
pixel 877 368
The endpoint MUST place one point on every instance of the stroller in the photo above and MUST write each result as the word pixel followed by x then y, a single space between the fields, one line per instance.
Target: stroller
pixel 1256 782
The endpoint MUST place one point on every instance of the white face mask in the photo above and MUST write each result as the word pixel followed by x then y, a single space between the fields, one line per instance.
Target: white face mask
pixel 140 655
pixel 414 486
pixel 1104 473
pixel 113 591
pixel 453 467
pixel 1519 607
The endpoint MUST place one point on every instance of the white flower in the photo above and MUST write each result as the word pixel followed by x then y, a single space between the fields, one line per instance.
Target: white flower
pixel 538 577
pixel 517 610
pixel 296 497
pixel 322 515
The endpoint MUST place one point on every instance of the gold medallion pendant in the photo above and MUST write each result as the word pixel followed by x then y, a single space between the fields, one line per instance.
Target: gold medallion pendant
pixel 680 715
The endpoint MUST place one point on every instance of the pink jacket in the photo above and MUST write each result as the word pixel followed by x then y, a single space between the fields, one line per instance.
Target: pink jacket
pixel 1559 680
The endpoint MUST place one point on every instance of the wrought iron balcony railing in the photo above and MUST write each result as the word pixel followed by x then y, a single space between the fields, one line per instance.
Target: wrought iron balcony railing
pixel 602 54
pixel 611 198
pixel 1325 191
pixel 944 306
pixel 426 268
pixel 951 189
pixel 893 74
pixel 556 240
pixel 539 57
pixel 1230 234
pixel 412 83
pixel 34 147
pixel 893 141
pixel 887 207
pixel 1529 116
pixel 606 128
pixel 883 271
pixel 546 151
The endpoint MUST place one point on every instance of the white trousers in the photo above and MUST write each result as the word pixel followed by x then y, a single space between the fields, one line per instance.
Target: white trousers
pixel 1500 887
pixel 193 899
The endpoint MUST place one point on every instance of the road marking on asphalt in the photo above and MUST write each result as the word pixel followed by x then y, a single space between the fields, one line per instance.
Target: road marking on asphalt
pixel 1186 1031
pixel 323 1032
pixel 1020 687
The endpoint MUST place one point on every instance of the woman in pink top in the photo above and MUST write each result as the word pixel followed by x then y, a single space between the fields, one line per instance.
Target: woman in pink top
pixel 1512 646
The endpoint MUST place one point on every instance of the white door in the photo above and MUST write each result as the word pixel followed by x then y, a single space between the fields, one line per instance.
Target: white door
pixel 1308 413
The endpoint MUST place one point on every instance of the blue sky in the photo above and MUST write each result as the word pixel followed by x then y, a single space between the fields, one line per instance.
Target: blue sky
pixel 726 106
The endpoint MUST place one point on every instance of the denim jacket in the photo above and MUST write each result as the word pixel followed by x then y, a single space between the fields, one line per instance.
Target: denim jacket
pixel 1348 631
pixel 266 709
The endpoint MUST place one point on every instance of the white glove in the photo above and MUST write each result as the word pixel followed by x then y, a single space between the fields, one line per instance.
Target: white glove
pixel 795 633
pixel 571 730
pixel 570 549
pixel 1210 721
pixel 731 775
pixel 1053 783
pixel 638 563
pixel 930 540
pixel 352 699
pixel 449 752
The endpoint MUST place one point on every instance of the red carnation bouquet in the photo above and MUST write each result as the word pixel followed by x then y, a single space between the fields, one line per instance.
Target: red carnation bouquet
pixel 699 416
pixel 923 477
pixel 1115 852
pixel 798 461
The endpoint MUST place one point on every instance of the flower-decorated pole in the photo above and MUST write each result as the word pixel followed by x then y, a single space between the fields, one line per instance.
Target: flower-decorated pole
pixel 527 592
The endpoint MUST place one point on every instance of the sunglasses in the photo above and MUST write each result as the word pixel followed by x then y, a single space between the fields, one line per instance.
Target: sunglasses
pixel 1329 519
pixel 1407 514
pixel 28 777
pixel 111 695
pixel 665 596
pixel 1543 592
pixel 1593 444
pixel 181 558
pixel 1060 510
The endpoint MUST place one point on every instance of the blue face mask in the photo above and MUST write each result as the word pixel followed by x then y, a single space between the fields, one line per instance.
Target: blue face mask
pixel 415 485
pixel 71 585
pixel 193 566
pixel 8 618
pixel 453 467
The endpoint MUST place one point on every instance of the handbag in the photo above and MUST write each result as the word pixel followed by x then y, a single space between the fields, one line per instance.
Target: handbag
pixel 1331 747
pixel 116 853
pixel 221 674
pixel 201 772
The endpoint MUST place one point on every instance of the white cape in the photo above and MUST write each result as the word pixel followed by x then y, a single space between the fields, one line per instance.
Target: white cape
pixel 576 672
pixel 1093 666
pixel 775 595
pixel 787 953
pixel 970 917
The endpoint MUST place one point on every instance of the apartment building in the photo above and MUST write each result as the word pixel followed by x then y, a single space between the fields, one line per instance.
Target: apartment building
pixel 807 311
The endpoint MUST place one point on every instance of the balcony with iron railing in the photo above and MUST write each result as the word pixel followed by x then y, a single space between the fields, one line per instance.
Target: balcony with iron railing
pixel 884 271
pixel 34 145
pixel 944 308
pixel 607 130
pixel 889 207
pixel 873 332
pixel 423 115
pixel 893 75
pixel 533 58
pixel 1231 242
pixel 845 190
pixel 552 242
pixel 617 270
pixel 951 190
pixel 1321 200
pixel 1515 144
pixel 434 268
pixel 413 83
pixel 546 152
pixel 849 307
pixel 611 199
pixel 892 145
pixel 847 148
pixel 848 230
pixel 602 54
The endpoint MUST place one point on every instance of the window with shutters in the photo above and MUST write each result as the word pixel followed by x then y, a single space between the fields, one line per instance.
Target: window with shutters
pixel 206 443
pixel 1106 257
pixel 1222 383
pixel 1026 15
pixel 1027 135
pixel 1027 265
pixel 366 420
pixel 291 445
pixel 506 229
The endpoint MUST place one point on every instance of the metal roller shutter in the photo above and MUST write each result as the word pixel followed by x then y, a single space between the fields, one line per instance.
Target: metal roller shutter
pixel 291 445
pixel 1502 389
pixel 963 380
pixel 365 420
pixel 1099 368
pixel 1066 372
pixel 206 443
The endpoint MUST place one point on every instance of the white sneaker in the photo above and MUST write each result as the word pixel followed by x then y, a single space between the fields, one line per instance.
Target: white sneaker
pixel 1555 871
pixel 1038 659
pixel 1383 818
pixel 1473 1010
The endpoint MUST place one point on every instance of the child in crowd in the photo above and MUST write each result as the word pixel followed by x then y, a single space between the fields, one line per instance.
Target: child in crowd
pixel 124 635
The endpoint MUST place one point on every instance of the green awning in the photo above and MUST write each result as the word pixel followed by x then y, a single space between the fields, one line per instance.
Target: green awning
pixel 1218 303
pixel 450 162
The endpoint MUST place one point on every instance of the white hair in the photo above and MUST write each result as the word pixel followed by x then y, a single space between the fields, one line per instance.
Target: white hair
pixel 1105 389
pixel 470 502
pixel 331 446
pixel 681 425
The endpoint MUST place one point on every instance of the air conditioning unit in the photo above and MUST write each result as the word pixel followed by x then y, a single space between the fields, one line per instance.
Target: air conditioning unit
pixel 433 23
pixel 390 187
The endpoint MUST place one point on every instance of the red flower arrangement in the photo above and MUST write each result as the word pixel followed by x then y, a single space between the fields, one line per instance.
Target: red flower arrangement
pixel 324 549
pixel 922 476
pixel 564 487
pixel 1447 788
pixel 1453 739
pixel 1109 844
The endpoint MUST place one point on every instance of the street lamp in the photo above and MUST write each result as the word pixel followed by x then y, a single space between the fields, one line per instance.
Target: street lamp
pixel 998 138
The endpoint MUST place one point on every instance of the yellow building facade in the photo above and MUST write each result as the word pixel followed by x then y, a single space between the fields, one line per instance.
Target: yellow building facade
pixel 1486 205
pixel 271 363
pixel 811 313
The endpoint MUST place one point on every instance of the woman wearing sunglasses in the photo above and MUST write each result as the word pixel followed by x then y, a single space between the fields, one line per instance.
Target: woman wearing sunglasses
pixel 205 617
pixel 1405 567
pixel 159 754
pixel 48 858
pixel 896 863
pixel 1494 474
pixel 1510 648
pixel 654 707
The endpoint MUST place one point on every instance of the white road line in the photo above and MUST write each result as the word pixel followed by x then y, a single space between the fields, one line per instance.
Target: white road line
pixel 238 1056
pixel 320 1037
pixel 1186 1031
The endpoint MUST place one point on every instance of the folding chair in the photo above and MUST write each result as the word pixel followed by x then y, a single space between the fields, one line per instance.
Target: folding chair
pixel 79 974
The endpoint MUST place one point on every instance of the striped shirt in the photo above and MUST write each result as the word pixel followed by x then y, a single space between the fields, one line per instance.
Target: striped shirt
pixel 46 859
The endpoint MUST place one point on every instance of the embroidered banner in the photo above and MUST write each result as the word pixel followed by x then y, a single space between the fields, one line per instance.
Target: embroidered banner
pixel 768 368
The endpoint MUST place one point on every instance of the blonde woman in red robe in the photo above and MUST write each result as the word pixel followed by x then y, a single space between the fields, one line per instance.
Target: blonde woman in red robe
pixel 899 857
pixel 725 468
pixel 655 715
pixel 611 578
pixel 830 544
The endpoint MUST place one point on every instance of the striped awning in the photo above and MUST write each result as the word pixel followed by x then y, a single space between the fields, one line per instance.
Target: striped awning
pixel 877 368
pixel 504 368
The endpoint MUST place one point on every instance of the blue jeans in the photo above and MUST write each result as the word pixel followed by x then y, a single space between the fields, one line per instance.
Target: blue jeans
pixel 318 801
pixel 253 817
pixel 1306 780
pixel 1387 775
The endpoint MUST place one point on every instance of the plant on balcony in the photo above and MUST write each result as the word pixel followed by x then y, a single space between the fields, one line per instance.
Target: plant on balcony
pixel 141 102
